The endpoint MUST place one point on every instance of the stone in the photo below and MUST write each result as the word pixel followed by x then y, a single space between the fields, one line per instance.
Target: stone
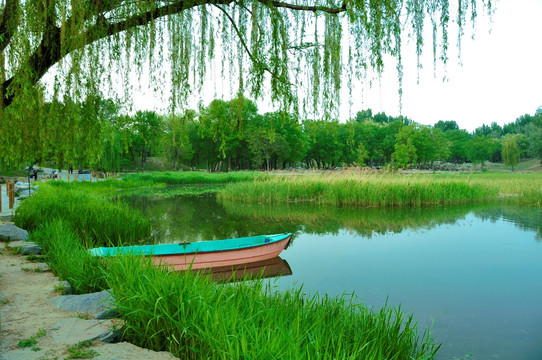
pixel 74 330
pixel 26 247
pixel 23 194
pixel 99 304
pixel 21 354
pixel 64 288
pixel 10 232
pixel 124 350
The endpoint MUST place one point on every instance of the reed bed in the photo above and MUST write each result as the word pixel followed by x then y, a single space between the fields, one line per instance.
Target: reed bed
pixel 195 319
pixel 379 190
pixel 524 189
pixel 68 258
pixel 104 186
pixel 88 213
pixel 192 177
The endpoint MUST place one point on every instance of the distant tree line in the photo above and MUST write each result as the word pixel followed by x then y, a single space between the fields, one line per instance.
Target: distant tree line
pixel 232 135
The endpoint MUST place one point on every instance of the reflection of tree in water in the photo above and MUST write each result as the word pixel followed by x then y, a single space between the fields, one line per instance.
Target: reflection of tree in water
pixel 524 218
pixel 363 221
pixel 201 217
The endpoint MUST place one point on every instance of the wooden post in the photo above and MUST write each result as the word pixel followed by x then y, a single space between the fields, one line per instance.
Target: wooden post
pixel 0 198
pixel 11 194
pixel 68 177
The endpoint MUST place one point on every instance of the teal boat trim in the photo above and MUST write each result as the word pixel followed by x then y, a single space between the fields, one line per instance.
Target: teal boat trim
pixel 190 248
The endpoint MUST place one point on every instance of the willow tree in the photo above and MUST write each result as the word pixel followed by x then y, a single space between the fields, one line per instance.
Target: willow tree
pixel 296 53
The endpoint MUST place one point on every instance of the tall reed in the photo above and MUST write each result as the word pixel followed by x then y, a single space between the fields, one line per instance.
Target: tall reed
pixel 361 190
pixel 194 319
pixel 68 258
pixel 87 213
pixel 192 177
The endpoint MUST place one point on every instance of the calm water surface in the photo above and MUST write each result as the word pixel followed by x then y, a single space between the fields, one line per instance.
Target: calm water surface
pixel 471 271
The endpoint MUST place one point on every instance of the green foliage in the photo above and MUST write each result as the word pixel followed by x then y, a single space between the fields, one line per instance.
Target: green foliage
pixel 510 150
pixel 404 154
pixel 27 342
pixel 30 342
pixel 362 155
pixel 68 257
pixel 81 351
pixel 480 149
pixel 194 319
pixel 93 217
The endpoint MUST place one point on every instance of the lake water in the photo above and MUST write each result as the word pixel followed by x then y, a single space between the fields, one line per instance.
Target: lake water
pixel 472 272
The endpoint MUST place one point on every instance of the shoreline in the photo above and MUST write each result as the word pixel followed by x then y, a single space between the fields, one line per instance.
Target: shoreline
pixel 26 313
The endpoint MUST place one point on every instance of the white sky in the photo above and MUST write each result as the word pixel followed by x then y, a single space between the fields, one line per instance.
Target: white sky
pixel 500 77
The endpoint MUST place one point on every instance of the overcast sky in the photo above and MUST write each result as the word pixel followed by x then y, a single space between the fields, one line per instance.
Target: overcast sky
pixel 500 77
pixel 499 80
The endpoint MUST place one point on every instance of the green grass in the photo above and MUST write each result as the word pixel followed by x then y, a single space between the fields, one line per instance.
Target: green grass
pixel 104 186
pixel 192 177
pixel 90 214
pixel 68 258
pixel 30 342
pixel 389 190
pixel 196 319
pixel 82 351
pixel 27 342
pixel 170 191
pixel 359 189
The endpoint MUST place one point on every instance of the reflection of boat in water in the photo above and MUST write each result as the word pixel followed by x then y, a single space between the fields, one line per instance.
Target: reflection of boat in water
pixel 255 270
pixel 206 254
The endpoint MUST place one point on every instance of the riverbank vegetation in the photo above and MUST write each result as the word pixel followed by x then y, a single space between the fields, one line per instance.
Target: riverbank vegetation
pixel 87 212
pixel 187 314
pixel 197 319
pixel 68 258
pixel 366 189
pixel 191 177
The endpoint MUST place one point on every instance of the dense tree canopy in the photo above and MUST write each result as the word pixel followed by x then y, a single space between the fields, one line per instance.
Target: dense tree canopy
pixel 297 49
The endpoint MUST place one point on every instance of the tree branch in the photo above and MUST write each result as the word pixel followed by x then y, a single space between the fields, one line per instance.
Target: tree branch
pixel 8 23
pixel 266 68
pixel 49 50
pixel 329 10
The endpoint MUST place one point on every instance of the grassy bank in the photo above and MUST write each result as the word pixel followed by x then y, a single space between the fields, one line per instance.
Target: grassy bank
pixel 196 319
pixel 87 212
pixel 68 258
pixel 192 177
pixel 383 190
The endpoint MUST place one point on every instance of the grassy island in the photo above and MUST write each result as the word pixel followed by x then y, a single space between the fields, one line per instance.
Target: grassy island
pixel 383 190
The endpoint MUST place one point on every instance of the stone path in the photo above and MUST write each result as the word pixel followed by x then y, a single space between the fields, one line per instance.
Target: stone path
pixel 27 310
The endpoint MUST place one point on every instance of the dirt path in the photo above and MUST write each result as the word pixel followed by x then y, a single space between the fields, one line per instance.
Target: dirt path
pixel 25 313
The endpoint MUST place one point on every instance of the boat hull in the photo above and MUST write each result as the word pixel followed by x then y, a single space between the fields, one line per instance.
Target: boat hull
pixel 207 260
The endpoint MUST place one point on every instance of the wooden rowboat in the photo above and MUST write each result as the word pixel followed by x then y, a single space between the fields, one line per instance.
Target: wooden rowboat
pixel 205 254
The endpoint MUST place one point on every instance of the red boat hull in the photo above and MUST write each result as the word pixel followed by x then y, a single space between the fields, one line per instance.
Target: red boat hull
pixel 207 260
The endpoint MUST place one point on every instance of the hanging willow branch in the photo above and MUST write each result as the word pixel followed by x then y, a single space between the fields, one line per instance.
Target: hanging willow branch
pixel 91 40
